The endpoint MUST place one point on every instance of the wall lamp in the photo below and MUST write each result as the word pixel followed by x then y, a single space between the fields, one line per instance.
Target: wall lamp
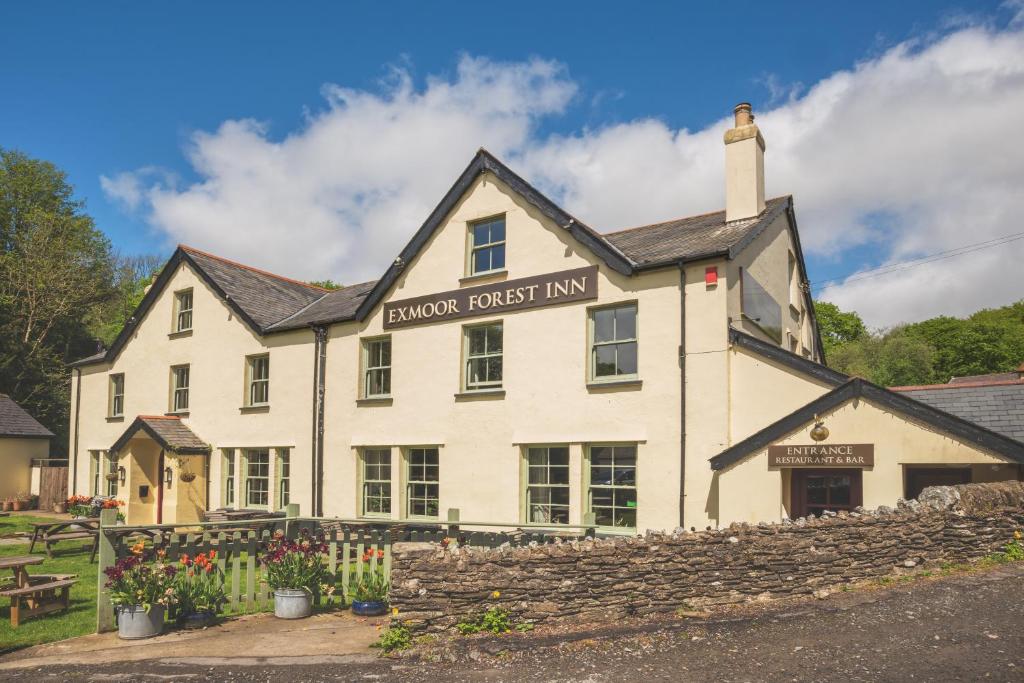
pixel 122 474
pixel 168 476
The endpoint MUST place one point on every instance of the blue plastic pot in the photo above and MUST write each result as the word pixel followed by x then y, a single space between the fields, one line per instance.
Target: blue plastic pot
pixel 369 608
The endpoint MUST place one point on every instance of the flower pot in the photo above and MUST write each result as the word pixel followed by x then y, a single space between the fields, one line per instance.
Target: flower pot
pixel 8 505
pixel 200 619
pixel 134 622
pixel 60 508
pixel 19 505
pixel 291 603
pixel 369 608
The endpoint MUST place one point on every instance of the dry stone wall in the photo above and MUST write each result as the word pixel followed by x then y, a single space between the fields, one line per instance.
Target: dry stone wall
pixel 435 588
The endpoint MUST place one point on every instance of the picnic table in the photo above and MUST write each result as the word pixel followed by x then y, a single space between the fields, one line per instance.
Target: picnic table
pixel 39 592
pixel 52 532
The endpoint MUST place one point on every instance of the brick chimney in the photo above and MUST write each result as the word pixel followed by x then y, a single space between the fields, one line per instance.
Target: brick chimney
pixel 744 167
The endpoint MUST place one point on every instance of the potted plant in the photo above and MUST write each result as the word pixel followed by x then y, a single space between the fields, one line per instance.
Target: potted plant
pixel 60 507
pixel 80 507
pixel 199 586
pixel 21 502
pixel 112 504
pixel 370 593
pixel 295 569
pixel 141 591
pixel 8 504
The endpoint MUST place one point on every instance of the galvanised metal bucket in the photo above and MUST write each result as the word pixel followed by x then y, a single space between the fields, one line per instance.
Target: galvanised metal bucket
pixel 134 622
pixel 291 603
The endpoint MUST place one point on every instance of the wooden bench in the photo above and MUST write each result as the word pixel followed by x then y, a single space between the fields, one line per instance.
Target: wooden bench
pixel 40 596
pixel 50 533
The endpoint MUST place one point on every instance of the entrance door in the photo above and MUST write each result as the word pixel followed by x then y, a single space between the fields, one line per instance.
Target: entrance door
pixel 920 477
pixel 815 491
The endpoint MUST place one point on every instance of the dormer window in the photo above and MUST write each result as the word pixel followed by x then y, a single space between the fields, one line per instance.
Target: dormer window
pixel 183 310
pixel 487 246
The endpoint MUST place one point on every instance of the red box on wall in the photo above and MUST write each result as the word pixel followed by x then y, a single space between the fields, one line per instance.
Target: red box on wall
pixel 711 275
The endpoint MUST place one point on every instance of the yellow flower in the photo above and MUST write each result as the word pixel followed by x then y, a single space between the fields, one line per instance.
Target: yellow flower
pixel 1017 535
pixel 394 611
pixel 496 594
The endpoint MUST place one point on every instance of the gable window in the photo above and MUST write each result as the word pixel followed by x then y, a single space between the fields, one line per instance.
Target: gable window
pixel 258 373
pixel 483 345
pixel 487 246
pixel 377 481
pixel 612 490
pixel 183 310
pixel 257 477
pixel 228 475
pixel 179 388
pixel 547 485
pixel 613 343
pixel 423 488
pixel 284 467
pixel 377 368
pixel 116 396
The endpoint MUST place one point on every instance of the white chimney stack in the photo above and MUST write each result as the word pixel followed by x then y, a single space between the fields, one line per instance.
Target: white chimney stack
pixel 744 167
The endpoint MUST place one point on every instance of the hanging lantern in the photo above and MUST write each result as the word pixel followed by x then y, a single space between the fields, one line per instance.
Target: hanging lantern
pixel 819 432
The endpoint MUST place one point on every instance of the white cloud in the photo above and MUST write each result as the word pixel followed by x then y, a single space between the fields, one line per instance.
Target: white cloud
pixel 913 151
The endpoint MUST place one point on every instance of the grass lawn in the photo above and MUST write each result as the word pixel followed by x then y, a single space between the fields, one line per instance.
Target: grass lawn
pixel 70 557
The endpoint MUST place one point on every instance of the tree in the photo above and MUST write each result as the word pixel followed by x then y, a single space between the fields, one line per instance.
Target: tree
pixel 836 326
pixel 326 284
pixel 55 271
pixel 132 276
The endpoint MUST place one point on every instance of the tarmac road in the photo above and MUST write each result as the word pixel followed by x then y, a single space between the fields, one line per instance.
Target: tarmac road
pixel 965 627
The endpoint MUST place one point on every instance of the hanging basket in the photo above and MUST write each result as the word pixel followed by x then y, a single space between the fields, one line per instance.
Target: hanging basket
pixel 187 477
pixel 111 476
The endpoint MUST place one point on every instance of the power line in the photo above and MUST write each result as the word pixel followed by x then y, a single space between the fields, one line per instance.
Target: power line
pixel 913 263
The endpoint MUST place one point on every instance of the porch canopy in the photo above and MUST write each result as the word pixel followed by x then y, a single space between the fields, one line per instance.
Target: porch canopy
pixel 168 431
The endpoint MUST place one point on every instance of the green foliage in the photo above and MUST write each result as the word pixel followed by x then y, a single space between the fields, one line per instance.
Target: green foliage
pixel 296 564
pixel 927 352
pixel 326 284
pixel 396 637
pixel 494 620
pixel 199 584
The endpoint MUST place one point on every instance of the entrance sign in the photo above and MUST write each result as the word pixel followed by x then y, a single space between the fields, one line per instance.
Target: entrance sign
pixel 823 455
pixel 565 286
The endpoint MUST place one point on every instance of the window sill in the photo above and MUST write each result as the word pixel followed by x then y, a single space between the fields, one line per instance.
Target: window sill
pixel 177 413
pixel 115 418
pixel 263 408
pixel 496 275
pixel 375 401
pixel 179 334
pixel 616 385
pixel 480 395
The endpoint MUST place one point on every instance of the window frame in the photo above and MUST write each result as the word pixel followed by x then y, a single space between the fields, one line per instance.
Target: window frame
pixel 592 343
pixel 95 468
pixel 282 477
pixel 175 388
pixel 526 485
pixel 472 247
pixel 251 380
pixel 229 477
pixel 410 482
pixel 364 482
pixel 247 455
pixel 180 310
pixel 588 484
pixel 113 395
pixel 467 357
pixel 367 368
pixel 110 485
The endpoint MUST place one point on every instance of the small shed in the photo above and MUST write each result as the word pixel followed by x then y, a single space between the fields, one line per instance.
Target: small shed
pixel 22 441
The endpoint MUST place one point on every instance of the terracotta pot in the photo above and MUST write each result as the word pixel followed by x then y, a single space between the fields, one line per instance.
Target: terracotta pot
pixel 8 505
pixel 19 505
pixel 60 508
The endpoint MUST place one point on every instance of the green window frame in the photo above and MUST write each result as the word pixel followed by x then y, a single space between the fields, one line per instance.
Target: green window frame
pixel 284 474
pixel 183 310
pixel 547 485
pixel 116 395
pixel 487 246
pixel 227 460
pixel 377 367
pixel 95 468
pixel 180 377
pixel 111 468
pixel 423 473
pixel 256 485
pixel 258 374
pixel 611 485
pixel 613 342
pixel 376 482
pixel 484 353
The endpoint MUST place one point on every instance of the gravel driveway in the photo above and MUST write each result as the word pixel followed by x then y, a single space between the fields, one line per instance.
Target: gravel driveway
pixel 964 627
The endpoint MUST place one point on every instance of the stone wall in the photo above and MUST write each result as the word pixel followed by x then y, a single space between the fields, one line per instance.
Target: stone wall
pixel 604 579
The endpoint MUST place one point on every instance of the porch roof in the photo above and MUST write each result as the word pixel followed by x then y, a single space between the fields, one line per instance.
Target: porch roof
pixel 170 432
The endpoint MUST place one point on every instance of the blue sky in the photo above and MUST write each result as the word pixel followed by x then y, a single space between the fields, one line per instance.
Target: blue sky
pixel 123 88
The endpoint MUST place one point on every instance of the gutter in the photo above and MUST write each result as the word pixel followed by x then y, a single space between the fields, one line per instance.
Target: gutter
pixel 319 380
pixel 682 394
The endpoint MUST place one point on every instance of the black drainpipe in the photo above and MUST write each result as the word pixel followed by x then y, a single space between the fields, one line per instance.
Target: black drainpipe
pixel 74 451
pixel 319 378
pixel 682 394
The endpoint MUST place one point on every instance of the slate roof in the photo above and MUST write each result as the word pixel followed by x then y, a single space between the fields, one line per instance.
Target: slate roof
pixel 272 303
pixel 16 422
pixel 692 238
pixel 170 432
pixel 998 406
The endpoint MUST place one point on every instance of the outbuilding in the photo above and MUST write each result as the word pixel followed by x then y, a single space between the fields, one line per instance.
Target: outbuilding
pixel 22 441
